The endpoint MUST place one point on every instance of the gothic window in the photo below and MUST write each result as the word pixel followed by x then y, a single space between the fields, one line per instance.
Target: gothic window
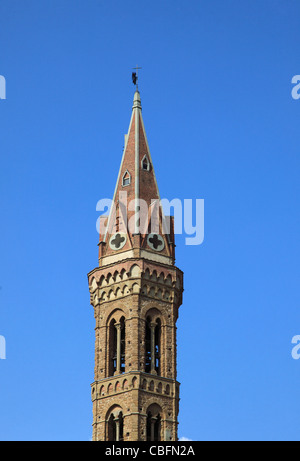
pixel 145 163
pixel 126 178
pixel 112 348
pixel 157 346
pixel 115 427
pixel 152 343
pixel 122 348
pixel 117 347
pixel 148 346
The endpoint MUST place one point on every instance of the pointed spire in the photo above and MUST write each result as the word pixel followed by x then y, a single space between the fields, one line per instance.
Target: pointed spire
pixel 136 188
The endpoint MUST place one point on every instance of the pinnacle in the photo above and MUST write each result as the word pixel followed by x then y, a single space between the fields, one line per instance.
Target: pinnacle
pixel 137 100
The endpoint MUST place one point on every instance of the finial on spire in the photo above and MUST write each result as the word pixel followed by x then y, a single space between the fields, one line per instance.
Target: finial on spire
pixel 135 76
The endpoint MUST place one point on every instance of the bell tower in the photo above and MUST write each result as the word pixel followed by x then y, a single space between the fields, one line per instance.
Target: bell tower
pixel 136 292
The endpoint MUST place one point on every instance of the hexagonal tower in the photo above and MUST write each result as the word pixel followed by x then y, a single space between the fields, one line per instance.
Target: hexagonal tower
pixel 136 292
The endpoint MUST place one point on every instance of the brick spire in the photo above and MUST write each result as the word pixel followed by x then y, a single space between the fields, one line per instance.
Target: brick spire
pixel 136 199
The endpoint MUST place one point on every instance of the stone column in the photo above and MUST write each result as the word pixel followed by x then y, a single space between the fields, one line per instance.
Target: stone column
pixel 117 423
pixel 153 421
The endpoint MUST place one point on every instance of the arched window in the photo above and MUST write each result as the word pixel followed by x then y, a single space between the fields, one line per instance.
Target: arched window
pixel 117 347
pixel 152 346
pixel 122 348
pixel 126 178
pixel 112 348
pixel 157 345
pixel 148 346
pixel 115 427
pixel 145 163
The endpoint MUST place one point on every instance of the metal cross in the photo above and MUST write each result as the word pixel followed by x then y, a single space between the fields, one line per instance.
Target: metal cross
pixel 137 74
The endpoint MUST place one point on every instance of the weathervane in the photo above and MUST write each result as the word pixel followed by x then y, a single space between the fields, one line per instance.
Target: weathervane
pixel 135 76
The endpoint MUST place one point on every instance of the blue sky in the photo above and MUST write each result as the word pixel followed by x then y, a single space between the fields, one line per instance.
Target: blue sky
pixel 222 126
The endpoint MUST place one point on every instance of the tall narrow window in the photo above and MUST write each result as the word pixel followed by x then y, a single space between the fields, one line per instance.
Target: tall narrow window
pixel 122 347
pixel 157 346
pixel 112 348
pixel 152 346
pixel 148 346
pixel 145 163
pixel 117 347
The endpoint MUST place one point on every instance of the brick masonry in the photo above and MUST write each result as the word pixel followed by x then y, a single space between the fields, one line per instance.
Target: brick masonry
pixel 131 285
pixel 135 289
